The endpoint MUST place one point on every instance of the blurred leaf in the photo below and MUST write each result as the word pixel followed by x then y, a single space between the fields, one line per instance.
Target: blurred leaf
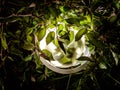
pixel 80 33
pixel 61 46
pixel 71 36
pixel 47 54
pixel 60 27
pixel 37 61
pixel 55 41
pixel 62 9
pixel 28 58
pixel 113 18
pixel 21 10
pixel 51 26
pixel 84 58
pixel 115 56
pixel 40 34
pixel 10 58
pixel 4 43
pixel 93 38
pixel 29 30
pixel 102 66
pixel 28 46
pixel 65 60
pixel 73 21
pixel 53 11
pixel 83 22
pixel 29 38
pixel 70 52
pixel 50 37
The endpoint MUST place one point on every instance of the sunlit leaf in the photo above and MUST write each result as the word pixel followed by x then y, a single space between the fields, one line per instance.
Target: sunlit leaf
pixel 40 34
pixel 71 36
pixel 62 9
pixel 80 33
pixel 51 26
pixel 65 60
pixel 83 22
pixel 60 27
pixel 50 37
pixel 55 41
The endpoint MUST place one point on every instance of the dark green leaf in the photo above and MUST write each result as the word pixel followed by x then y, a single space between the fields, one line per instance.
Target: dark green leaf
pixel 93 39
pixel 53 11
pixel 113 18
pixel 50 37
pixel 73 20
pixel 62 46
pixel 84 58
pixel 80 33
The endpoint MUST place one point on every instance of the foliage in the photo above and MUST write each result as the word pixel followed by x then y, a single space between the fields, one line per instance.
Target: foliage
pixel 20 67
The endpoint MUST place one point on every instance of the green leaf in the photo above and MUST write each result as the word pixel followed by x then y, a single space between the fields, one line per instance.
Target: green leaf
pixel 55 41
pixel 40 34
pixel 102 66
pixel 4 43
pixel 29 30
pixel 28 46
pixel 115 56
pixel 65 60
pixel 62 9
pixel 28 58
pixel 29 38
pixel 80 33
pixel 51 26
pixel 47 54
pixel 71 36
pixel 60 27
pixel 50 37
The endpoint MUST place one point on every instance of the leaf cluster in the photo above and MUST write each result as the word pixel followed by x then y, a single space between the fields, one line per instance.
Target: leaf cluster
pixel 21 21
